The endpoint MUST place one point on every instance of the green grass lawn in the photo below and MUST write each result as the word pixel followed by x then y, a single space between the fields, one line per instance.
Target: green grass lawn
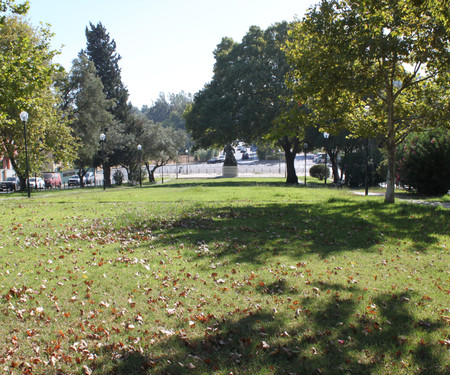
pixel 241 276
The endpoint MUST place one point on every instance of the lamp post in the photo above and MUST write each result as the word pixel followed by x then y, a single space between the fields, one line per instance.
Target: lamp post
pixel 366 176
pixel 102 141
pixel 162 168
pixel 279 161
pixel 326 135
pixel 139 147
pixel 305 147
pixel 176 166
pixel 187 168
pixel 24 118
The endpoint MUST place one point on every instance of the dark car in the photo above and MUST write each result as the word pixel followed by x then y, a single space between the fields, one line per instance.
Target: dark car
pixel 10 184
pixel 219 159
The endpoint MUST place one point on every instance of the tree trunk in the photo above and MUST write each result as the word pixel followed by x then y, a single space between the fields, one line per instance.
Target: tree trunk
pixel 291 149
pixel 107 175
pixel 334 166
pixel 151 173
pixel 291 175
pixel 23 183
pixel 22 177
pixel 390 188
pixel 81 173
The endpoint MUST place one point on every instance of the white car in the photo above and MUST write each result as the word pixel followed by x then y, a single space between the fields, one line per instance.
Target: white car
pixel 36 183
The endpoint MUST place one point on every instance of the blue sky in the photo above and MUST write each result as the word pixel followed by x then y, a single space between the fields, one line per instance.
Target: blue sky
pixel 166 45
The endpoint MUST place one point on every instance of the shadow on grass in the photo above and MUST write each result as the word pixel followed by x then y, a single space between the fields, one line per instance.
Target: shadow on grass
pixel 252 233
pixel 330 335
pixel 336 331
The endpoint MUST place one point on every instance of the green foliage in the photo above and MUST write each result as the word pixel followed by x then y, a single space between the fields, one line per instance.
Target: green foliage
pixel 267 152
pixel 122 133
pixel 424 163
pixel 84 93
pixel 204 155
pixel 244 97
pixel 102 51
pixel 169 112
pixel 319 171
pixel 10 5
pixel 134 176
pixel 160 145
pixel 358 79
pixel 27 83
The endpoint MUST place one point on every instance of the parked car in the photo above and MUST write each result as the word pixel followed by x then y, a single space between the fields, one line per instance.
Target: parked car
pixel 36 183
pixel 319 158
pixel 10 184
pixel 74 180
pixel 219 159
pixel 52 180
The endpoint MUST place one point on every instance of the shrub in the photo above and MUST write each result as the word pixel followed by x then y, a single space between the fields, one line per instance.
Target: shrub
pixel 267 152
pixel 204 155
pixel 319 171
pixel 424 163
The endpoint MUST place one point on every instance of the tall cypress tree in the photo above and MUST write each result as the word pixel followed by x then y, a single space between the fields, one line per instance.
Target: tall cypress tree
pixel 101 50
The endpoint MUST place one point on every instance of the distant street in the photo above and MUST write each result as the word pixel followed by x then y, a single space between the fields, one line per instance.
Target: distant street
pixel 246 167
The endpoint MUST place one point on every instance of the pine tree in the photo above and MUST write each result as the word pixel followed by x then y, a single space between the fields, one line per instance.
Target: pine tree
pixel 90 110
pixel 101 50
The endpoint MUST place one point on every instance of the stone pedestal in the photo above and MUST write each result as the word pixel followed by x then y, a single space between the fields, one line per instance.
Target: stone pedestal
pixel 229 171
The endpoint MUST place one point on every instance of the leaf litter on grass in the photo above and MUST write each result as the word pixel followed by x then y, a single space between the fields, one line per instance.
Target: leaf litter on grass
pixel 246 287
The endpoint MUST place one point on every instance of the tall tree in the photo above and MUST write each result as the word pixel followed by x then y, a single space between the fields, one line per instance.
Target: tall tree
pixel 169 112
pixel 26 84
pixel 102 51
pixel 85 92
pixel 244 98
pixel 377 63
pixel 159 146
pixel 159 111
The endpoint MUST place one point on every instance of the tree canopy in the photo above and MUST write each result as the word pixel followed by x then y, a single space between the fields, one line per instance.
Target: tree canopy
pixel 243 98
pixel 246 95
pixel 168 110
pixel 11 6
pixel 379 65
pixel 102 51
pixel 26 84
pixel 90 110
